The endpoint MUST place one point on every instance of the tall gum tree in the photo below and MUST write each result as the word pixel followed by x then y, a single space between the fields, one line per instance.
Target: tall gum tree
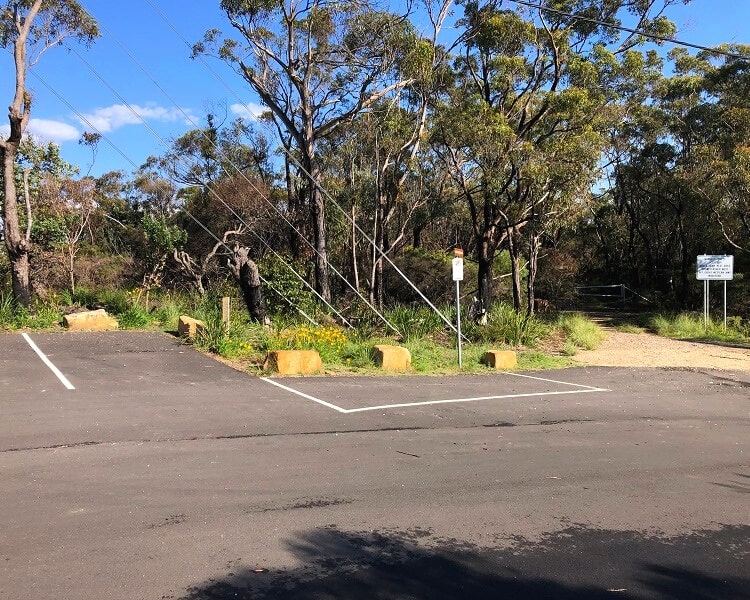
pixel 683 168
pixel 382 149
pixel 30 28
pixel 316 65
pixel 523 126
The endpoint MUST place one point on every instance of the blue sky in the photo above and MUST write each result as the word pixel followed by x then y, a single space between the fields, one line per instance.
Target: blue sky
pixel 142 64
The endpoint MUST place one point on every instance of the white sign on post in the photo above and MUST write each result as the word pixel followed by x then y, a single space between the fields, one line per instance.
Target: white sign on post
pixel 715 267
pixel 458 276
pixel 458 269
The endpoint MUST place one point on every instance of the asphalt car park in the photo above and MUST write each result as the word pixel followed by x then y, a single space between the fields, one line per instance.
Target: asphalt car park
pixel 136 467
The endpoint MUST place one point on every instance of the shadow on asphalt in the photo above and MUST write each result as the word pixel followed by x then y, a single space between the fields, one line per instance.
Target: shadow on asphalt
pixel 576 563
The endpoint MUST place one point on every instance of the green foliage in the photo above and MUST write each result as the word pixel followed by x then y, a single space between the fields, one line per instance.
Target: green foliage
pixel 49 231
pixel 431 271
pixel 357 354
pixel 167 314
pixel 416 322
pixel 115 301
pixel 427 356
pixel 6 310
pixel 134 317
pixel 569 348
pixel 161 237
pixel 242 339
pixel 285 292
pixel 508 326
pixel 539 360
pixel 686 326
pixel 629 328
pixel 580 332
pixel 81 297
pixel 329 341
pixel 213 336
pixel 41 315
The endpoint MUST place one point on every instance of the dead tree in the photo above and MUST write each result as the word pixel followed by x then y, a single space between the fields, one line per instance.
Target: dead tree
pixel 246 274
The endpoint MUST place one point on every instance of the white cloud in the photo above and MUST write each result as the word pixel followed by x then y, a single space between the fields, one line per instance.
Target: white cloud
pixel 113 117
pixel 55 131
pixel 47 130
pixel 249 110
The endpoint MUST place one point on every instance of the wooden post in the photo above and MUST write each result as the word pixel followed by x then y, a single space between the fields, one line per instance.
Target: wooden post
pixel 225 311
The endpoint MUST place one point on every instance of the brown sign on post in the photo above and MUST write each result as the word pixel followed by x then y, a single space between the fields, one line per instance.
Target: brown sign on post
pixel 458 252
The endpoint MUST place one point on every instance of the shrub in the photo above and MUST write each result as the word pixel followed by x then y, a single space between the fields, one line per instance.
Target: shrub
pixel 168 314
pixel 509 326
pixel 114 301
pixel 415 322
pixel 6 310
pixel 687 326
pixel 134 317
pixel 328 340
pixel 42 315
pixel 285 292
pixel 580 331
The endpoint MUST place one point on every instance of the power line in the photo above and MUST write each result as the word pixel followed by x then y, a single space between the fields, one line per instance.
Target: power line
pixel 183 209
pixel 304 171
pixel 263 279
pixel 236 168
pixel 215 194
pixel 645 34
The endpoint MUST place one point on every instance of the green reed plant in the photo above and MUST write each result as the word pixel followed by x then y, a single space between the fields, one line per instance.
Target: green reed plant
pixel 580 332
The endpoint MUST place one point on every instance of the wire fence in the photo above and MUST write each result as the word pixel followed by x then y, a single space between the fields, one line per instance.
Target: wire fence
pixel 612 295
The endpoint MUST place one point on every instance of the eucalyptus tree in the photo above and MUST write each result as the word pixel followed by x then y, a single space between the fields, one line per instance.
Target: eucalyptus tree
pixel 219 149
pixel 223 176
pixel 40 166
pixel 315 64
pixel 397 132
pixel 29 28
pixel 522 130
pixel 682 171
pixel 721 158
pixel 68 210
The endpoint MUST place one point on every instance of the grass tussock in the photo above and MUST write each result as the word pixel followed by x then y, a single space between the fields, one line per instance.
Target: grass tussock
pixel 580 333
pixel 690 326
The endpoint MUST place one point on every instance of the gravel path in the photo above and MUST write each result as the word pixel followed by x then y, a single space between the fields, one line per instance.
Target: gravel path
pixel 649 350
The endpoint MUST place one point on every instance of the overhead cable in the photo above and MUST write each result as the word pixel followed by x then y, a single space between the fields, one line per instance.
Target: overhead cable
pixel 653 36
pixel 293 159
pixel 239 172
pixel 182 208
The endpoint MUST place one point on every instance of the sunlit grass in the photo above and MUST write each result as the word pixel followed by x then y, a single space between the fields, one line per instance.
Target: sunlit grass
pixel 343 350
pixel 687 326
pixel 580 332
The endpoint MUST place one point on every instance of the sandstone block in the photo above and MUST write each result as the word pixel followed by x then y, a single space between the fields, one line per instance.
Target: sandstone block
pixel 293 362
pixel 92 320
pixel 392 358
pixel 189 327
pixel 500 359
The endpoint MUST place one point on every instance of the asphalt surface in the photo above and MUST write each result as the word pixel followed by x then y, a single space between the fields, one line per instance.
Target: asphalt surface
pixel 164 474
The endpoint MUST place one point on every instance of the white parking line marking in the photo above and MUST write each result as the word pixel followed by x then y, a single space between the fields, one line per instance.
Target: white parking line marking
pixel 585 389
pixel 48 362
pixel 477 399
pixel 293 391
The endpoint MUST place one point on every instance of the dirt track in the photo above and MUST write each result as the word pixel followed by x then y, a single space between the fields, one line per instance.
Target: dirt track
pixel 649 350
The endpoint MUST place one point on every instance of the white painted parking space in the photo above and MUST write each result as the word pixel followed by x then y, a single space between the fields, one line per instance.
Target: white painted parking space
pixel 564 389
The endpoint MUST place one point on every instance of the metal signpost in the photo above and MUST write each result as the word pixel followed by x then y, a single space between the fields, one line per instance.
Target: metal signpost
pixel 458 276
pixel 714 267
